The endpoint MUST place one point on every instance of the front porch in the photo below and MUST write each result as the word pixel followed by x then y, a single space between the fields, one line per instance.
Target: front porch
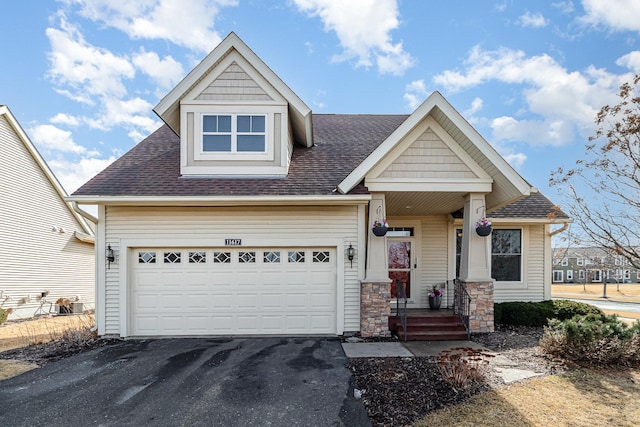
pixel 428 325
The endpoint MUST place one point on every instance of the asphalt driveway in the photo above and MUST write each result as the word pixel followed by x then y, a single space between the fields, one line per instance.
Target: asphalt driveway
pixel 190 382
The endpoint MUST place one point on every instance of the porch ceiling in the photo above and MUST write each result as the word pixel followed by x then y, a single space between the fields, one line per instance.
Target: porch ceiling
pixel 419 203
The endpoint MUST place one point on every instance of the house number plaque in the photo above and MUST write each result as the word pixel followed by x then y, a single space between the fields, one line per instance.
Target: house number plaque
pixel 233 242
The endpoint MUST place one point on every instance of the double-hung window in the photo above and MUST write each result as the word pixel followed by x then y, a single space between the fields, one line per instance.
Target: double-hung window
pixel 506 255
pixel 234 133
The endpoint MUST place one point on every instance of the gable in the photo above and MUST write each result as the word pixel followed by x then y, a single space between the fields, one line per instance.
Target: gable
pixel 299 113
pixel 493 175
pixel 428 157
pixel 233 84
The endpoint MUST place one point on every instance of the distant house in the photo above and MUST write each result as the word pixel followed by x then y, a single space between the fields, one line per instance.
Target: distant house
pixel 592 265
pixel 247 214
pixel 46 248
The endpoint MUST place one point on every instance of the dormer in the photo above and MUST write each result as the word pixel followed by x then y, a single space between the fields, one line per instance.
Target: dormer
pixel 234 116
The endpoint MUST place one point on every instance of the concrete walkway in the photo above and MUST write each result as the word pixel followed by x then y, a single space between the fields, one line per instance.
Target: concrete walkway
pixel 505 368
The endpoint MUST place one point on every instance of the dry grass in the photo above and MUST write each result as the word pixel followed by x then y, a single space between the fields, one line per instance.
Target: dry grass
pixel 71 329
pixel 577 398
pixel 41 330
pixel 627 292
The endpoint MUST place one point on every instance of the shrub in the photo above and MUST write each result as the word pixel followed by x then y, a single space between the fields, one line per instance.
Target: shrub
pixel 520 313
pixel 462 367
pixel 593 338
pixel 3 315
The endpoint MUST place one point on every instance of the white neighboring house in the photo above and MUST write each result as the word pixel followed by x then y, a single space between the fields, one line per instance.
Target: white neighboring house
pixel 247 214
pixel 46 247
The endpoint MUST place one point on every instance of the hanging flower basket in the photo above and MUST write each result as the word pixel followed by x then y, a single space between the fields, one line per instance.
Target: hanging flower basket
pixel 483 227
pixel 380 227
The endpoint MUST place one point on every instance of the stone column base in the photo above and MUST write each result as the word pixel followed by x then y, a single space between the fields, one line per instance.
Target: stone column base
pixel 375 308
pixel 481 309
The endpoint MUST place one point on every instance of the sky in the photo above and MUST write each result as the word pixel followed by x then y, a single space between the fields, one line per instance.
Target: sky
pixel 82 76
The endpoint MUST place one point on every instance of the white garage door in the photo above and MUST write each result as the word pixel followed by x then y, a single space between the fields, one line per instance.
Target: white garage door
pixel 222 291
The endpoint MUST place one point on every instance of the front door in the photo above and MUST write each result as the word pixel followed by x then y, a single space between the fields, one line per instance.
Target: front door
pixel 402 263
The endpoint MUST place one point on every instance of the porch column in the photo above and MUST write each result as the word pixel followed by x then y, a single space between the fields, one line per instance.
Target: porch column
pixel 475 265
pixel 375 291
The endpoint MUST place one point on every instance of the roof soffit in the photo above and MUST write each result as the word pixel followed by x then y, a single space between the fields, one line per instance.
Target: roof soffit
pixel 168 107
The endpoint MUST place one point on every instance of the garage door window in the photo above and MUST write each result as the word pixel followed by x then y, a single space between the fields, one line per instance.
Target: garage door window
pixel 146 257
pixel 246 257
pixel 172 257
pixel 221 257
pixel 321 256
pixel 296 256
pixel 197 257
pixel 271 257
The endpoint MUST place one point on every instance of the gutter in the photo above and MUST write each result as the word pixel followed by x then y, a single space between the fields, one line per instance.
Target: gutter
pixel 86 215
pixel 215 201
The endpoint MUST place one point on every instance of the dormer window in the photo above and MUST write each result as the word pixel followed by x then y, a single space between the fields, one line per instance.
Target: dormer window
pixel 233 133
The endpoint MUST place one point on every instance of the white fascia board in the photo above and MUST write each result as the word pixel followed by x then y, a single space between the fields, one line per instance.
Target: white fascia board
pixel 232 41
pixel 222 200
pixel 477 186
pixel 4 111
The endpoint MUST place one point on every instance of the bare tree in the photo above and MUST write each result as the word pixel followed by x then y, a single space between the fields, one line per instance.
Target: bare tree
pixel 603 189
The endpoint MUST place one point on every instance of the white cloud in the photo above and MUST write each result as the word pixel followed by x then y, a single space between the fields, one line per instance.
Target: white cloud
pixel 533 20
pixel 516 160
pixel 621 16
pixel 565 7
pixel 73 174
pixel 363 28
pixel 133 115
pixel 184 23
pixel 476 105
pixel 166 72
pixel 562 102
pixel 52 138
pixel 65 119
pixel 631 60
pixel 415 93
pixel 85 68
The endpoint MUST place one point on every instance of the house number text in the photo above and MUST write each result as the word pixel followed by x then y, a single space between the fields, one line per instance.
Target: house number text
pixel 233 242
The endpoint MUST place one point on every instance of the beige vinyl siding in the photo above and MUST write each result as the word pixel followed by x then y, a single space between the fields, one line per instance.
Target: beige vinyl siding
pixel 33 257
pixel 434 254
pixel 256 226
pixel 532 288
pixel 428 157
pixel 234 84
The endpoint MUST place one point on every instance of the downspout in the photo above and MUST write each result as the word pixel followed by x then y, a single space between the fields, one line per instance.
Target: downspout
pixel 559 230
pixel 86 215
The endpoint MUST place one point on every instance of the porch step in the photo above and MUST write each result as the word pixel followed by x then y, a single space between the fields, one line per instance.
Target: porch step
pixel 429 328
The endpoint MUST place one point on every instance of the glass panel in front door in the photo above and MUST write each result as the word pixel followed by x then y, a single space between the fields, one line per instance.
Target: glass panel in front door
pixel 399 257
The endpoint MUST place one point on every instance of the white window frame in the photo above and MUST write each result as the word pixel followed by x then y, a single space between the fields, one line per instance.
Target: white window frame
pixel 596 276
pixel 200 154
pixel 565 262
pixel 581 274
pixel 558 276
pixel 626 275
pixel 523 245
pixel 580 261
pixel 569 274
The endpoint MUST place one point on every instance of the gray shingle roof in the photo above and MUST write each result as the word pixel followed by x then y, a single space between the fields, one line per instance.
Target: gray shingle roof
pixel 342 142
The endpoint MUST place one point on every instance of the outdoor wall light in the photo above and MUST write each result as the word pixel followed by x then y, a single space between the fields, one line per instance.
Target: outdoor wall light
pixel 111 257
pixel 350 253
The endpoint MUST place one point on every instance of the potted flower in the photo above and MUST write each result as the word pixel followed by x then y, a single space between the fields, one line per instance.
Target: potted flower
pixel 380 227
pixel 483 227
pixel 435 298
